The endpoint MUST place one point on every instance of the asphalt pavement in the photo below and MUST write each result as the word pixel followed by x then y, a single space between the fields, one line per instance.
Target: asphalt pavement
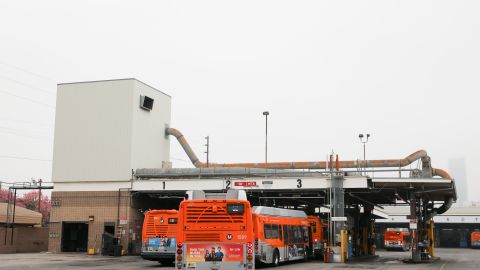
pixel 391 260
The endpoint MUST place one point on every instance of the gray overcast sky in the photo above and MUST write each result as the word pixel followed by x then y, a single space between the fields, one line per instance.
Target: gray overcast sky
pixel 405 71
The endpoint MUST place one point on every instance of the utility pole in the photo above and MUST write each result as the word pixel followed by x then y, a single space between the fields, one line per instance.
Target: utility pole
pixel 40 198
pixel 208 149
pixel 15 187
pixel 266 113
pixel 13 219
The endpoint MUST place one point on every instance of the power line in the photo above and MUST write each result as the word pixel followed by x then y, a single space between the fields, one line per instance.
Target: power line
pixel 27 122
pixel 28 99
pixel 27 85
pixel 24 131
pixel 27 71
pixel 24 135
pixel 25 158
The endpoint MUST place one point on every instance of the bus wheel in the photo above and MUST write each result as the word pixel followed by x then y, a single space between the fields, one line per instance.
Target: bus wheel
pixel 305 255
pixel 166 262
pixel 276 258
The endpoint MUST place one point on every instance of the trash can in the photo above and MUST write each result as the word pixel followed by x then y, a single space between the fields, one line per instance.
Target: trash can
pixel 117 250
pixel 329 254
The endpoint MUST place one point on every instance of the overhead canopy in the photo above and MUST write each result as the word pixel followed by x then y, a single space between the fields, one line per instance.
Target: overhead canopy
pixel 23 216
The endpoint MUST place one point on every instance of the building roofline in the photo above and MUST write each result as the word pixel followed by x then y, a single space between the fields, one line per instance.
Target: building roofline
pixel 112 80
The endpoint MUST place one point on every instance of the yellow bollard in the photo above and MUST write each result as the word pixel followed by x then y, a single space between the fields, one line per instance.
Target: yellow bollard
pixel 344 245
pixel 431 238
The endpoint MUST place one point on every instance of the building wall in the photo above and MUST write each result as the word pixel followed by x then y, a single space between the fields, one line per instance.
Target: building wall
pixel 93 131
pixel 458 168
pixel 150 146
pixel 103 206
pixel 25 240
pixel 102 134
pixel 7 246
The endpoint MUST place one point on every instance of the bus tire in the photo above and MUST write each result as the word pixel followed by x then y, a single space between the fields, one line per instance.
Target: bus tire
pixel 306 255
pixel 166 262
pixel 276 258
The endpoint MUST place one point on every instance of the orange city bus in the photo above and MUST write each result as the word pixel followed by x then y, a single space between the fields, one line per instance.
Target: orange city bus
pixel 475 239
pixel 397 239
pixel 316 235
pixel 215 234
pixel 158 236
pixel 280 235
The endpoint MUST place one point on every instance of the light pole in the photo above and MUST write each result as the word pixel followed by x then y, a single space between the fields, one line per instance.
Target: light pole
pixel 266 113
pixel 208 149
pixel 364 140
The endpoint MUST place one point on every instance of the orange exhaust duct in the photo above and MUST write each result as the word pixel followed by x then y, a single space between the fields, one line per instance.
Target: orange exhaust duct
pixel 380 163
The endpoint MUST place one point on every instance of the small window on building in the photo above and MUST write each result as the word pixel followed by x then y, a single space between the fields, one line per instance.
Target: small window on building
pixel 146 103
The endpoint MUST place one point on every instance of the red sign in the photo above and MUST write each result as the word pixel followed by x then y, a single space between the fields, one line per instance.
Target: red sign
pixel 214 253
pixel 246 184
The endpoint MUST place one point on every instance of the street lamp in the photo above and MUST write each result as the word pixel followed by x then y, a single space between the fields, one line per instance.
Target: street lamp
pixel 364 140
pixel 266 113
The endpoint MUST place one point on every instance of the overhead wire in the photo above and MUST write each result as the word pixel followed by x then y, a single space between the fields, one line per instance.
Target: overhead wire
pixel 26 71
pixel 26 122
pixel 27 85
pixel 28 99
pixel 25 158
pixel 15 132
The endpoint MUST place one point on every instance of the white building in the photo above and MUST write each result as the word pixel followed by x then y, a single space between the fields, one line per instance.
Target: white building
pixel 458 167
pixel 103 131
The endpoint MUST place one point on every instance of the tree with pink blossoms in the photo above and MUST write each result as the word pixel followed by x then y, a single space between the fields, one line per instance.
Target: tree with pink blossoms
pixel 29 200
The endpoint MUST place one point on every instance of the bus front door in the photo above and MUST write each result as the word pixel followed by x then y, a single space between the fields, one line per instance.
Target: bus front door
pixel 285 243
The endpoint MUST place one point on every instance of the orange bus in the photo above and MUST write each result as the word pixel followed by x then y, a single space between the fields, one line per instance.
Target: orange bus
pixel 280 235
pixel 397 239
pixel 316 236
pixel 475 239
pixel 158 236
pixel 215 234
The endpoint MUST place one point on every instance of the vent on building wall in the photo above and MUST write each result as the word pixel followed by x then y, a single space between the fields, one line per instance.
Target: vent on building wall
pixel 146 103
